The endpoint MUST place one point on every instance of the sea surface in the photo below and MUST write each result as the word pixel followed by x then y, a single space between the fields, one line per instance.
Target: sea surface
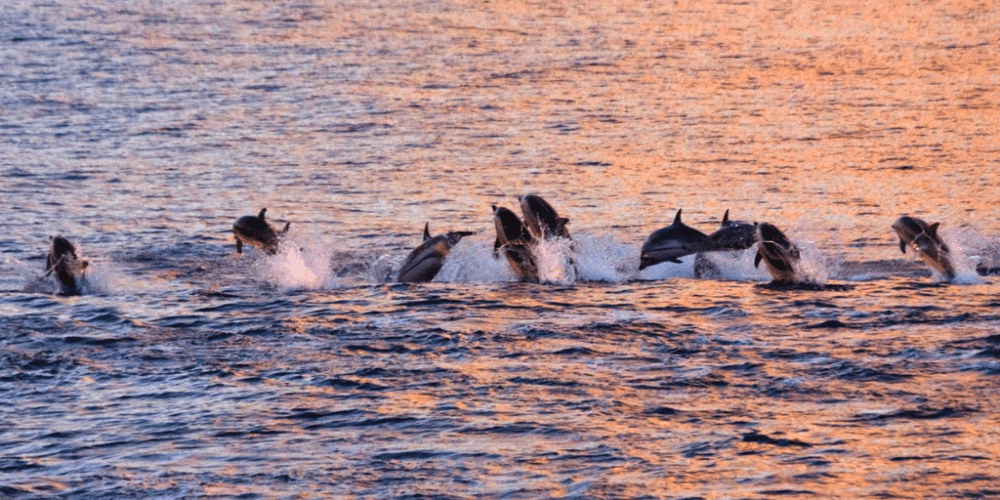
pixel 141 130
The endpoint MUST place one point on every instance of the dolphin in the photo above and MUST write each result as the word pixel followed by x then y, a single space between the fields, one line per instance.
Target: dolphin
pixel 255 231
pixel 515 243
pixel 780 254
pixel 541 220
pixel 426 260
pixel 64 262
pixel 734 235
pixel 672 242
pixel 923 238
pixel 731 235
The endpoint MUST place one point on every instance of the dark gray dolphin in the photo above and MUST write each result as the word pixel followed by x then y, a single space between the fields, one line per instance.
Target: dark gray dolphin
pixel 541 220
pixel 672 242
pixel 515 243
pixel 426 260
pixel 923 238
pixel 780 254
pixel 66 264
pixel 255 231
pixel 731 235
pixel 734 234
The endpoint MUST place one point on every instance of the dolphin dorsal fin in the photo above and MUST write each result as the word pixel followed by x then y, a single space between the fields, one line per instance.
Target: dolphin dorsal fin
pixel 427 231
pixel 561 225
pixel 725 217
pixel 677 218
pixel 261 214
pixel 932 230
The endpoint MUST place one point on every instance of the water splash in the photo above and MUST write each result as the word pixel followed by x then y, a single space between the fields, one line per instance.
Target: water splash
pixel 556 261
pixel 601 258
pixel 99 277
pixel 813 267
pixel 301 263
pixel 472 260
pixel 968 249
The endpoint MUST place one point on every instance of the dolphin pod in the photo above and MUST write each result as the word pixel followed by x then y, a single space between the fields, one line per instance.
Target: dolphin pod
pixel 255 231
pixel 517 241
pixel 67 266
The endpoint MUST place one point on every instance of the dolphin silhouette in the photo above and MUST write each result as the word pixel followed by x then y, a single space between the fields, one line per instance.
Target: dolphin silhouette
pixel 255 231
pixel 672 242
pixel 777 251
pixel 515 242
pixel 66 264
pixel 924 239
pixel 426 260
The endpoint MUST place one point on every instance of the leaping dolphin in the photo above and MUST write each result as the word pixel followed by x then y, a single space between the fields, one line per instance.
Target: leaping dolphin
pixel 924 239
pixel 780 254
pixel 66 264
pixel 426 260
pixel 255 231
pixel 731 235
pixel 513 240
pixel 541 220
pixel 672 242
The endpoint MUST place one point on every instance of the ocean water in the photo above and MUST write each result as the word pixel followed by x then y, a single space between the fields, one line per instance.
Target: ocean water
pixel 142 130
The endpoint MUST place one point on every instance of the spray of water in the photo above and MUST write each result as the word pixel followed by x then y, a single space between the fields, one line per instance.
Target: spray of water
pixel 968 249
pixel 302 262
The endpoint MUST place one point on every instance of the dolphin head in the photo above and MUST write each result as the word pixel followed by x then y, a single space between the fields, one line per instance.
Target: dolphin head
pixel 908 228
pixel 508 226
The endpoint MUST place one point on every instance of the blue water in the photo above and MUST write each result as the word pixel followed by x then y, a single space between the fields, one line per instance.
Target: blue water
pixel 186 370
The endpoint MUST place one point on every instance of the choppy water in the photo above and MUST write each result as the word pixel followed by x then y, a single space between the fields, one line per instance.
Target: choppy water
pixel 142 131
